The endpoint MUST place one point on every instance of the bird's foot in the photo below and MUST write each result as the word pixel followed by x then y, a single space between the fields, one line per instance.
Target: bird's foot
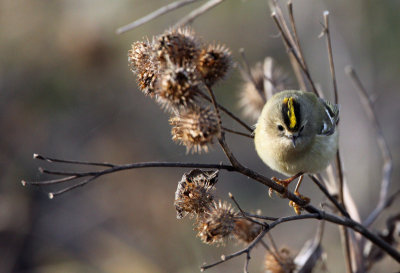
pixel 284 183
pixel 281 195
pixel 297 208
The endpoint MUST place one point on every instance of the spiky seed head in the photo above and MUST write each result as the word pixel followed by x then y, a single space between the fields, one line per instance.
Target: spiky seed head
pixel 143 63
pixel 246 231
pixel 214 63
pixel 194 192
pixel 177 46
pixel 217 223
pixel 281 262
pixel 178 87
pixel 266 79
pixel 195 128
pixel 252 95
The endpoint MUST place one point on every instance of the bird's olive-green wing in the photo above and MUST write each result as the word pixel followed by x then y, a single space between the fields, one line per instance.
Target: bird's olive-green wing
pixel 331 119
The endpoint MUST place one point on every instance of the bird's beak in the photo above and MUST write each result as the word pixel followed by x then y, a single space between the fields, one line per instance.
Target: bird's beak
pixel 293 138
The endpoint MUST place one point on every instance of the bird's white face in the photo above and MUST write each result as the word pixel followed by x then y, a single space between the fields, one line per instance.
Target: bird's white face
pixel 291 139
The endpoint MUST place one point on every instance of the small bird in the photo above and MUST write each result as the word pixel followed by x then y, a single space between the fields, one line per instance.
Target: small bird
pixel 296 134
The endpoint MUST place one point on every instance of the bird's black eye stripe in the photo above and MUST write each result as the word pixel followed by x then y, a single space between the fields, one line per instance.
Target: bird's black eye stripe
pixel 280 127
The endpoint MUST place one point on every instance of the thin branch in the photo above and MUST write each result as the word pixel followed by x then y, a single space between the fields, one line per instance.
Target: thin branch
pixel 71 176
pixel 246 250
pixel 329 196
pixel 197 12
pixel 293 51
pixel 244 214
pixel 326 31
pixel 390 200
pixel 229 113
pixel 274 251
pixel 221 138
pixel 274 246
pixel 258 239
pixel 297 67
pixel 56 160
pixel 216 108
pixel 295 35
pixel 382 144
pixel 236 132
pixel 153 15
pixel 50 182
pixel 343 231
pixel 318 214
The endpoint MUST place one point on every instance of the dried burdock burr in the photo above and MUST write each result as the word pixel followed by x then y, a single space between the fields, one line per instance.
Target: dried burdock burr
pixel 246 231
pixel 281 262
pixel 177 46
pixel 194 192
pixel 195 128
pixel 264 81
pixel 217 223
pixel 177 87
pixel 214 63
pixel 252 95
pixel 143 63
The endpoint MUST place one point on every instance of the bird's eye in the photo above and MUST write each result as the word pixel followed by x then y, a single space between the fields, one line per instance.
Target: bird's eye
pixel 280 127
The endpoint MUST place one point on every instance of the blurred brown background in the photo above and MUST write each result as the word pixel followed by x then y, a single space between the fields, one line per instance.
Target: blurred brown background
pixel 66 91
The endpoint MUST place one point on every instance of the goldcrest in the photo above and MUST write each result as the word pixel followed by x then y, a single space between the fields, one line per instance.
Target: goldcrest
pixel 296 133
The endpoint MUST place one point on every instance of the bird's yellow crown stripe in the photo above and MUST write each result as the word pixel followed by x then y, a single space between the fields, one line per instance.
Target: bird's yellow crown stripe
pixel 291 114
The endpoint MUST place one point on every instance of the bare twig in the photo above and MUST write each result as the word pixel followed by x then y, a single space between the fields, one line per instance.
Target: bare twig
pixel 90 176
pixel 329 196
pixel 197 12
pixel 313 212
pixel 383 147
pixel 153 15
pixel 327 33
pixel 243 213
pixel 258 239
pixel 297 67
pixel 246 250
pixel 56 160
pixel 343 231
pixel 236 132
pixel 229 113
pixel 295 35
pixel 294 53
pixel 221 136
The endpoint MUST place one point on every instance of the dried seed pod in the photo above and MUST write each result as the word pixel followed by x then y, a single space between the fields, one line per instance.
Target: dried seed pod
pixel 193 194
pixel 214 63
pixel 195 128
pixel 267 79
pixel 142 62
pixel 177 46
pixel 252 95
pixel 246 231
pixel 281 262
pixel 217 223
pixel 178 87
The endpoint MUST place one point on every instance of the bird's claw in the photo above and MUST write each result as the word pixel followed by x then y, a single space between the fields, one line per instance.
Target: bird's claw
pixel 283 183
pixel 297 208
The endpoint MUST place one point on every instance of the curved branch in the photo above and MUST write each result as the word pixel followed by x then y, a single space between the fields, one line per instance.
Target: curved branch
pixel 382 144
pixel 154 15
